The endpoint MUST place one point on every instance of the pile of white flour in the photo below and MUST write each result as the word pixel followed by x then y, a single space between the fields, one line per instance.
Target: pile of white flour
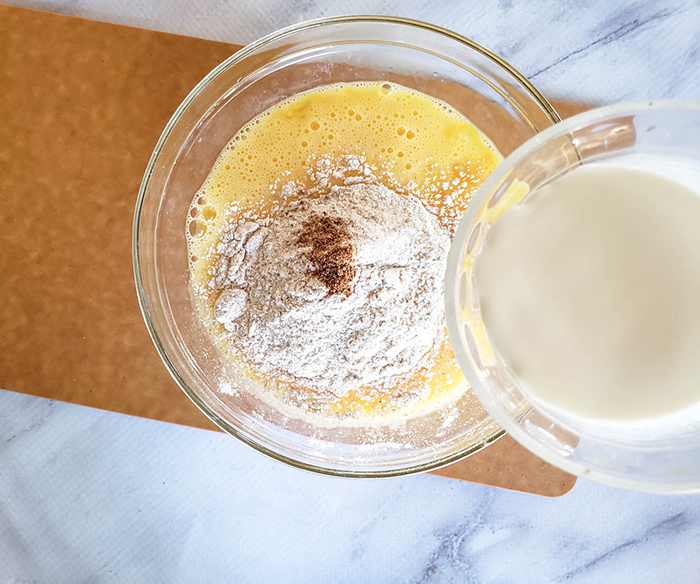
pixel 336 292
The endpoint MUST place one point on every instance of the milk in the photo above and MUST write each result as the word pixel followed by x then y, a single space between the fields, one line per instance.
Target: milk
pixel 590 290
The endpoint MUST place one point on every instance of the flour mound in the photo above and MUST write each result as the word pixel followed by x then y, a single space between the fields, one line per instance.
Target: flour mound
pixel 336 292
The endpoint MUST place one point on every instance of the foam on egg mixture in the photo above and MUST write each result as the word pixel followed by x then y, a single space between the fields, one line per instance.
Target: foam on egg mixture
pixel 374 132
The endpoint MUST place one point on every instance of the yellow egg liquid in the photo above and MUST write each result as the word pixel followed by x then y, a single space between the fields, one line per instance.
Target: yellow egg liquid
pixel 415 145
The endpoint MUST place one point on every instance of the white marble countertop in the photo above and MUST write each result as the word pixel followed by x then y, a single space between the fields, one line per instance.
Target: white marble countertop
pixel 92 496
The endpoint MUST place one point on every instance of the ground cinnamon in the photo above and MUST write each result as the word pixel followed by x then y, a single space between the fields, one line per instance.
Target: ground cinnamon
pixel 331 252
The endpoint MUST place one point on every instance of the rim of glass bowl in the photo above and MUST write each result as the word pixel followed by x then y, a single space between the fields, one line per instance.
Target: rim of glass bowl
pixel 454 263
pixel 143 302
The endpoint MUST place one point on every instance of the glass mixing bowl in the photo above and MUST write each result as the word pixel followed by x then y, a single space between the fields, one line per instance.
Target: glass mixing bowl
pixel 500 101
pixel 655 455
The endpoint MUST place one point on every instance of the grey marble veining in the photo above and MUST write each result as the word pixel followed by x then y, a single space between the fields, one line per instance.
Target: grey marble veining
pixel 91 496
pixel 594 52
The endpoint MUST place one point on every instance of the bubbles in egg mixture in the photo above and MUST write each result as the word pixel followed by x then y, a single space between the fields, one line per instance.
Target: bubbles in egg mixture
pixel 412 143
pixel 417 143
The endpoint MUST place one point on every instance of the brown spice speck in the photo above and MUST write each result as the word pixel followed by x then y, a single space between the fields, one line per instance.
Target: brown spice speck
pixel 331 252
